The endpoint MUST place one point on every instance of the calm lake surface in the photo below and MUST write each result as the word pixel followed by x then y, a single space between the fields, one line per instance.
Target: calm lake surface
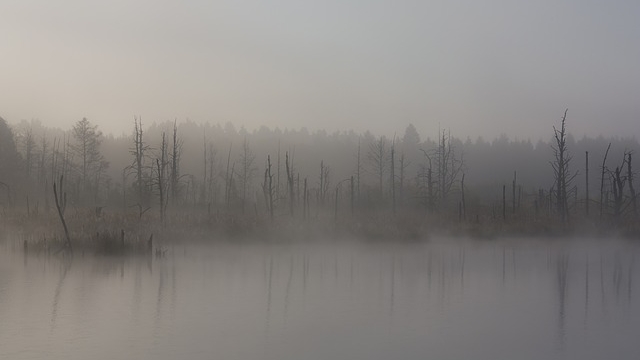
pixel 519 299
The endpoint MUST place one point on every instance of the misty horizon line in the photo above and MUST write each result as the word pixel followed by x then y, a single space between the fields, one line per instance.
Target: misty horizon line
pixel 241 129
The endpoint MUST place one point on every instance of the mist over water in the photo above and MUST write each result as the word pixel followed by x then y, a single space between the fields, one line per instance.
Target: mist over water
pixel 445 299
pixel 319 180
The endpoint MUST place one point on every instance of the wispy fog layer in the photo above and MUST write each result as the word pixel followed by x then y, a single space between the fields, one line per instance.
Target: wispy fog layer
pixel 479 68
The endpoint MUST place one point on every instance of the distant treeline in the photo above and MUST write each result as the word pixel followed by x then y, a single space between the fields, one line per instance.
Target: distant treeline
pixel 168 166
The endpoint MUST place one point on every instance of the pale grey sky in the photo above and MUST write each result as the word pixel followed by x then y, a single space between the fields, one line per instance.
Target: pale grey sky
pixel 476 67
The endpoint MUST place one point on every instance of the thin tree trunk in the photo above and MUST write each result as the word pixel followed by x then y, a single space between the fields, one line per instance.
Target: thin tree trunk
pixel 632 190
pixel 62 199
pixel 227 188
pixel 464 205
pixel 335 210
pixel 304 200
pixel 393 179
pixel 504 202
pixel 586 201
pixel 352 195
pixel 513 193
pixel 604 162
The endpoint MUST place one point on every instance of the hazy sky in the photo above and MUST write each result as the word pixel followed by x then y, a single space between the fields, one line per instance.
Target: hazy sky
pixel 476 67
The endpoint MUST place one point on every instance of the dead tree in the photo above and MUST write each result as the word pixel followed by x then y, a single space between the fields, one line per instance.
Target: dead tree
pixel 379 161
pixel 504 202
pixel 448 167
pixel 403 165
pixel 393 178
pixel 562 174
pixel 304 200
pixel 513 193
pixel 324 183
pixel 176 152
pixel 29 146
pixel 618 182
pixel 161 178
pixel 632 190
pixel 267 187
pixel 290 181
pixel 586 177
pixel 227 180
pixel 352 195
pixel 463 203
pixel 138 152
pixel 358 171
pixel 426 177
pixel 61 205
pixel 247 171
pixel 205 194
pixel 604 170
pixel 278 174
pixel 211 184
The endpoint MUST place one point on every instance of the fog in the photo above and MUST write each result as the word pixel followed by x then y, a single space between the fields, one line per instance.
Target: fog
pixel 221 165
pixel 471 67
pixel 329 180
pixel 184 240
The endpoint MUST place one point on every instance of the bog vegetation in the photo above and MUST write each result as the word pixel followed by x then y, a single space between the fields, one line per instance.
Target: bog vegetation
pixel 77 188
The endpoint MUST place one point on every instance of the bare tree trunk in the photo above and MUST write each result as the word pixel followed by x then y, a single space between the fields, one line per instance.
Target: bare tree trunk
pixel 212 186
pixel 403 166
pixel 160 189
pixel 278 177
pixel 205 194
pixel 604 168
pixel 358 169
pixel 618 192
pixel 504 202
pixel 335 211
pixel 322 183
pixel 227 181
pixel 393 179
pixel 352 196
pixel 270 190
pixel 138 153
pixel 161 178
pixel 267 187
pixel 298 190
pixel 61 208
pixel 513 193
pixel 175 165
pixel 247 170
pixel 304 200
pixel 586 201
pixel 464 205
pixel 124 189
pixel 289 170
pixel 632 190
pixel 560 165
pixel 430 188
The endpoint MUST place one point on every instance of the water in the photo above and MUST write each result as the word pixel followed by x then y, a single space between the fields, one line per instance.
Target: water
pixel 341 300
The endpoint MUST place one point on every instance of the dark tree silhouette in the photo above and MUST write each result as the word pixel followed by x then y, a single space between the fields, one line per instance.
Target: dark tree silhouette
pixel 562 175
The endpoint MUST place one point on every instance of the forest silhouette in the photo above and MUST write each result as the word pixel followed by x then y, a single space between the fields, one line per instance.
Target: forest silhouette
pixel 209 180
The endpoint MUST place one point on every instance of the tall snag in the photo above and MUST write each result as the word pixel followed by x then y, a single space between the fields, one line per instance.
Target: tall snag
pixel 603 171
pixel 138 152
pixel 562 174
pixel 267 187
pixel 632 190
pixel 61 205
